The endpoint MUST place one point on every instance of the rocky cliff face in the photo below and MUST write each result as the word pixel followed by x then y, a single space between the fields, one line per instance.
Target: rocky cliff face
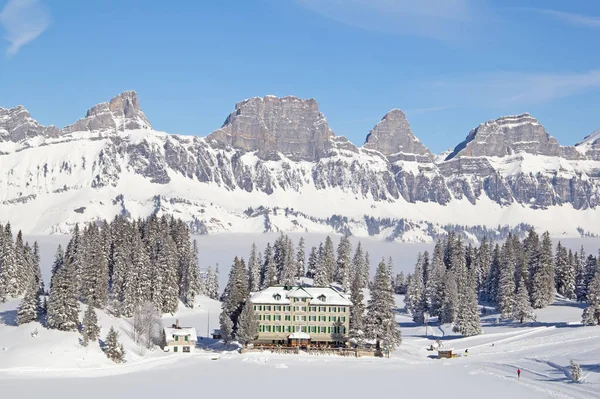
pixel 17 125
pixel 272 150
pixel 510 135
pixel 392 136
pixel 119 114
pixel 271 125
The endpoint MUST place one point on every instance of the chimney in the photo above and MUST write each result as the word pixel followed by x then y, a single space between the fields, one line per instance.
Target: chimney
pixel 177 323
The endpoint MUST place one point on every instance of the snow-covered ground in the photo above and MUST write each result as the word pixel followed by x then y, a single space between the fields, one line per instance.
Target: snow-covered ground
pixel 53 364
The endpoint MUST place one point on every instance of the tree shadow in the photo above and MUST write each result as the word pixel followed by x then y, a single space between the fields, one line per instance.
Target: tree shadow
pixel 9 317
pixel 594 368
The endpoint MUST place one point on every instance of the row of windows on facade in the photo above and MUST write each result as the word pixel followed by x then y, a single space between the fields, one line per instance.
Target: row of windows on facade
pixel 284 308
pixel 304 329
pixel 288 317
pixel 186 349
pixel 186 338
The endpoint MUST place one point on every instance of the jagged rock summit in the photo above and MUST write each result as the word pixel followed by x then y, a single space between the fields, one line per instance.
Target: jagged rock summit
pixel 392 136
pixel 289 125
pixel 16 124
pixel 510 135
pixel 119 114
pixel 590 146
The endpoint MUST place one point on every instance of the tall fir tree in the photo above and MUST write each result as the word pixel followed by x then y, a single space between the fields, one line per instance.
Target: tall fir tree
pixel 63 308
pixel 10 272
pixel 579 260
pixel 381 321
pixel 254 269
pixel 416 301
pixel 359 266
pixel 468 322
pixel 301 259
pixel 90 330
pixel 506 286
pixel 449 305
pixel 313 262
pixel 29 307
pixel 565 272
pixel 435 284
pixel 543 284
pixel 483 261
pixel 493 278
pixel 356 332
pixel 268 271
pixel 591 314
pixel 522 309
pixel 247 330
pixel 343 265
pixel 236 292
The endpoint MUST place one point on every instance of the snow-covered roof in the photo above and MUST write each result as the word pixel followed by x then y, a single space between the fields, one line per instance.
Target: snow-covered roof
pixel 171 332
pixel 299 335
pixel 318 296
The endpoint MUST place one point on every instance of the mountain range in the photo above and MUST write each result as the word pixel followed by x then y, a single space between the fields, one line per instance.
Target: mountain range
pixel 276 165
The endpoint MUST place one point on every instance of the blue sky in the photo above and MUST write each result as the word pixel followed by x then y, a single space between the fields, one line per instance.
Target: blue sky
pixel 449 64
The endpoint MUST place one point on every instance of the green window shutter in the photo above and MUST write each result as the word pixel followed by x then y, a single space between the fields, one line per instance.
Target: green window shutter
pixel 175 349
pixel 187 338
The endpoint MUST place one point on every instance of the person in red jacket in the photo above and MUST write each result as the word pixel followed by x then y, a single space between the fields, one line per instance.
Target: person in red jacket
pixel 518 374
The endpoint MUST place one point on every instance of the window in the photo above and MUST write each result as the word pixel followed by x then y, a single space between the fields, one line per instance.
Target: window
pixel 277 317
pixel 343 319
pixel 259 307
pixel 186 349
pixel 187 338
pixel 312 318
pixel 277 297
pixel 277 328
pixel 297 328
pixel 323 329
pixel 303 318
pixel 288 317
pixel 255 307
pixel 175 349
pixel 322 298
pixel 278 308
pixel 322 309
pixel 295 299
pixel 340 309
pixel 268 308
pixel 176 338
pixel 268 317
pixel 344 309
pixel 287 308
pixel 304 308
pixel 303 328
pixel 287 328
pixel 332 309
pixel 312 309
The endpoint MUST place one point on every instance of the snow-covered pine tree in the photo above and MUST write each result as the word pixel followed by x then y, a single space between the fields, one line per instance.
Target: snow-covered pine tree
pixel 63 308
pixel 467 321
pixel 400 284
pixel 28 309
pixel 381 320
pixel 565 272
pixel 449 297
pixel 289 271
pixel 191 286
pixel 23 264
pixel 167 298
pixel 226 326
pixel 215 285
pixel 493 278
pixel 367 269
pixel 522 309
pixel 268 272
pixel 313 262
pixel 343 265
pixel 328 260
pixel 589 271
pixel 482 263
pixel 90 330
pixel 113 349
pixel 579 259
pixel 94 270
pixel 10 272
pixel 356 332
pixel 427 268
pixel 279 255
pixel 236 292
pixel 532 248
pixel 415 299
pixel 254 269
pixel 591 314
pixel 320 278
pixel 358 265
pixel 301 259
pixel 247 330
pixel 506 286
pixel 435 284
pixel 37 271
pixel 576 373
pixel 543 284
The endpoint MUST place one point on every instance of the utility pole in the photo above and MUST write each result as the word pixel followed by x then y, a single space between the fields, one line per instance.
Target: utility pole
pixel 207 324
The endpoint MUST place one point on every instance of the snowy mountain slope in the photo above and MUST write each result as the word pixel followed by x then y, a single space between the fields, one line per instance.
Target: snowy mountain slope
pixel 276 165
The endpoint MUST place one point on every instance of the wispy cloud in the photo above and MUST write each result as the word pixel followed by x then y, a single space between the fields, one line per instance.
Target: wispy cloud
pixel 571 18
pixel 504 89
pixel 435 19
pixel 23 21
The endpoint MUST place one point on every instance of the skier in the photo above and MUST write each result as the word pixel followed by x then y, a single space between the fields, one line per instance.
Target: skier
pixel 466 352
pixel 518 374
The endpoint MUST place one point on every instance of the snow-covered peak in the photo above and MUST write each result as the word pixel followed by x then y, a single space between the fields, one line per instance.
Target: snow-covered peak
pixel 121 113
pixel 590 146
pixel 16 124
pixel 393 135
pixel 271 125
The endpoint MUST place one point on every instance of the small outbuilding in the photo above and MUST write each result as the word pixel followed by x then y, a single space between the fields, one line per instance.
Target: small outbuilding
pixel 446 354
pixel 180 339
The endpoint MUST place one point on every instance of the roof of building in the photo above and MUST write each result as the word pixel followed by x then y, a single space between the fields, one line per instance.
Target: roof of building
pixel 170 332
pixel 279 295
